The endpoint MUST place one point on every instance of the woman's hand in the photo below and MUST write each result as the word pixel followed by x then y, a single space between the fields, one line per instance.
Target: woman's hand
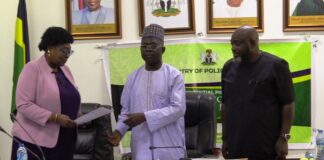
pixel 65 121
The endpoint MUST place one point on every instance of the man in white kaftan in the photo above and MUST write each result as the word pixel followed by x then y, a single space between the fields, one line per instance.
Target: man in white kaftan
pixel 160 95
pixel 153 104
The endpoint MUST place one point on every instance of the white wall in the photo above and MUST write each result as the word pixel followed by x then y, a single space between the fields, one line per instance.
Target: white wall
pixel 86 63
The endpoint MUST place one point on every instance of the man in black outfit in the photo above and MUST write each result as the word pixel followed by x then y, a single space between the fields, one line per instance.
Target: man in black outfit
pixel 258 101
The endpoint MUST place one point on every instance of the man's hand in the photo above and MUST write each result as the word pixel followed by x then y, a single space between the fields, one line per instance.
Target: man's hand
pixel 224 149
pixel 65 121
pixel 281 148
pixel 135 119
pixel 114 138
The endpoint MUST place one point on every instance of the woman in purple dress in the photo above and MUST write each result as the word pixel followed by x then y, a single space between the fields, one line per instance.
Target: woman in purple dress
pixel 48 101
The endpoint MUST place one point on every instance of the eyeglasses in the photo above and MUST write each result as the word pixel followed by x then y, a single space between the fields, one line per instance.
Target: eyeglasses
pixel 66 51
pixel 150 46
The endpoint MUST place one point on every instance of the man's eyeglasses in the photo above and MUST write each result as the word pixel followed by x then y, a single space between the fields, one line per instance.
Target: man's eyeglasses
pixel 66 51
pixel 150 46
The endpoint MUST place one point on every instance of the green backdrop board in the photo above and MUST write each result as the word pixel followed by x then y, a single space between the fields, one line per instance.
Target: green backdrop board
pixel 200 62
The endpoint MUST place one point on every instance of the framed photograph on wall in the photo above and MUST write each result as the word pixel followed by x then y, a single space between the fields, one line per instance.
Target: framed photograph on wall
pixel 176 16
pixel 224 16
pixel 94 19
pixel 303 15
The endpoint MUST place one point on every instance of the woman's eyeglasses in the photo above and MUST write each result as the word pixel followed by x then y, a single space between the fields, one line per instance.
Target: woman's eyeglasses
pixel 66 51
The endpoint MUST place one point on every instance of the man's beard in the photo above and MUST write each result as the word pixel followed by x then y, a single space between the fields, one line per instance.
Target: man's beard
pixel 237 59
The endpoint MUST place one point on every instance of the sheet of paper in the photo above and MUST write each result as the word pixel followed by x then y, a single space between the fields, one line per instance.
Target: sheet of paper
pixel 101 111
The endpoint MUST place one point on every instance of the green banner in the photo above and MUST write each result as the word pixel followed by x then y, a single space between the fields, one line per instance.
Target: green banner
pixel 201 62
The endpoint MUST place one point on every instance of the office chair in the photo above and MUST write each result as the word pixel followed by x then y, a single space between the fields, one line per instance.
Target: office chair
pixel 200 124
pixel 92 143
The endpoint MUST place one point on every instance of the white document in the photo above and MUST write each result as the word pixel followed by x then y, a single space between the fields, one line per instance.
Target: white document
pixel 101 111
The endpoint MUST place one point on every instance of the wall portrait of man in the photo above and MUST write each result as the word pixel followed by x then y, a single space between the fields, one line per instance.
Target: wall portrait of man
pixel 94 18
pixel 303 15
pixel 234 8
pixel 93 12
pixel 306 7
pixel 224 16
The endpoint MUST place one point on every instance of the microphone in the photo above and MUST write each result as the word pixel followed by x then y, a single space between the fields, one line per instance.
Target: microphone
pixel 12 116
pixel 186 156
pixel 17 141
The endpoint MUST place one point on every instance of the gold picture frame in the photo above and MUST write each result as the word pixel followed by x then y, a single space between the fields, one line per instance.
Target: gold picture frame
pixel 176 16
pixel 224 16
pixel 301 15
pixel 96 20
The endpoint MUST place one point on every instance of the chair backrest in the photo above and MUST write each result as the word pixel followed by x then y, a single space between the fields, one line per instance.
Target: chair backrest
pixel 92 143
pixel 200 123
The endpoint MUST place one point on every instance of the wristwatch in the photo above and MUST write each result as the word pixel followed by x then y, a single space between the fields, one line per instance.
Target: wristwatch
pixel 286 136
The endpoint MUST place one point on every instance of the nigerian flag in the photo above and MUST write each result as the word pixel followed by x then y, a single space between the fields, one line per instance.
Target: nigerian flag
pixel 21 56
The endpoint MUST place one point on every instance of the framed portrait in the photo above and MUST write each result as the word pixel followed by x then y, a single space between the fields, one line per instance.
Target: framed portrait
pixel 303 15
pixel 176 16
pixel 224 16
pixel 94 19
